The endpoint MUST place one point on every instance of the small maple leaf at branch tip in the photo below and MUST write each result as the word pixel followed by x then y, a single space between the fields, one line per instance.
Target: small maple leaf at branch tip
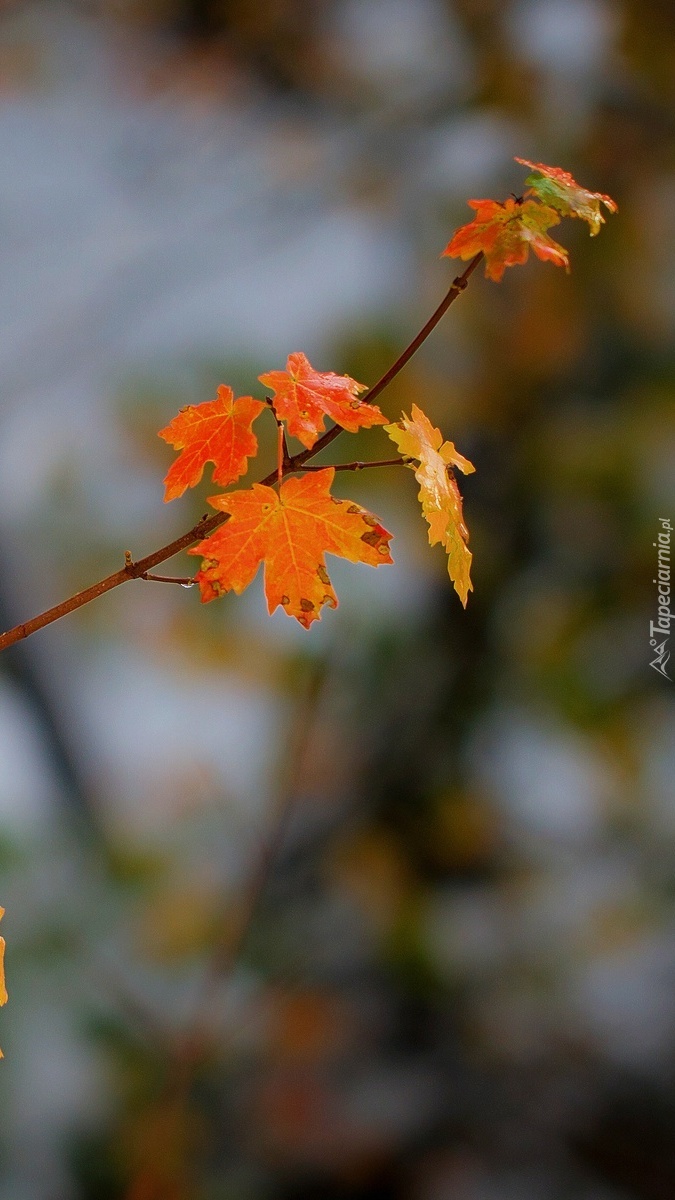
pixel 441 502
pixel 558 188
pixel 505 232
pixel 290 531
pixel 303 398
pixel 218 431
pixel 3 989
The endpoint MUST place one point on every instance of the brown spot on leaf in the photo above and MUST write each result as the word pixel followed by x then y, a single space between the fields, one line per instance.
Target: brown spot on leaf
pixel 369 519
pixel 372 538
pixel 354 508
pixel 285 600
pixel 306 605
pixel 323 575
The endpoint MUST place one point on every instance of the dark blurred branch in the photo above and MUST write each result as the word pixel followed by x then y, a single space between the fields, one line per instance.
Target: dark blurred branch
pixel 228 950
pixel 191 1049
pixel 21 668
pixel 137 570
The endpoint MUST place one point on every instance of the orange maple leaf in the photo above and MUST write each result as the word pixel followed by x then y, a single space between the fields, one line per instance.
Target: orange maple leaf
pixel 505 232
pixel 558 188
pixel 290 532
pixel 303 398
pixel 441 502
pixel 3 989
pixel 218 431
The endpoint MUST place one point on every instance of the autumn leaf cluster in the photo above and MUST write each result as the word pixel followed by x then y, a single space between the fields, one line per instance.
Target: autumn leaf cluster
pixel 291 527
pixel 289 522
pixel 504 233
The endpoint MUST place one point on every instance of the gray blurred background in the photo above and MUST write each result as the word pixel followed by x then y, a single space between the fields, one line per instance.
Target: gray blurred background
pixel 460 979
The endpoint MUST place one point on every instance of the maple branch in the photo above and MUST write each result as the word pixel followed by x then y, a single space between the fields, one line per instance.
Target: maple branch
pixel 137 570
pixel 457 287
pixel 130 570
pixel 360 466
pixel 185 581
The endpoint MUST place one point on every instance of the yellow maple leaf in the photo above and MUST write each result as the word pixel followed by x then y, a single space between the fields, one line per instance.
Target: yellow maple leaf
pixel 439 495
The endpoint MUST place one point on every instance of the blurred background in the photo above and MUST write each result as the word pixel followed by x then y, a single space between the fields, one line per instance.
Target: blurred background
pixel 459 980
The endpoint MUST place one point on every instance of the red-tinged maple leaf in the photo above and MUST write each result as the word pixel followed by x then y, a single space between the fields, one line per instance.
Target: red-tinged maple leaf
pixel 558 188
pixel 3 989
pixel 505 232
pixel 441 502
pixel 218 431
pixel 290 532
pixel 303 398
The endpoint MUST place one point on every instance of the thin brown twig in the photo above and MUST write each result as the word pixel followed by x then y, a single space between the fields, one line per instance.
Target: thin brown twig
pixel 286 450
pixel 186 581
pixel 361 466
pixel 457 287
pixel 280 453
pixel 136 570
